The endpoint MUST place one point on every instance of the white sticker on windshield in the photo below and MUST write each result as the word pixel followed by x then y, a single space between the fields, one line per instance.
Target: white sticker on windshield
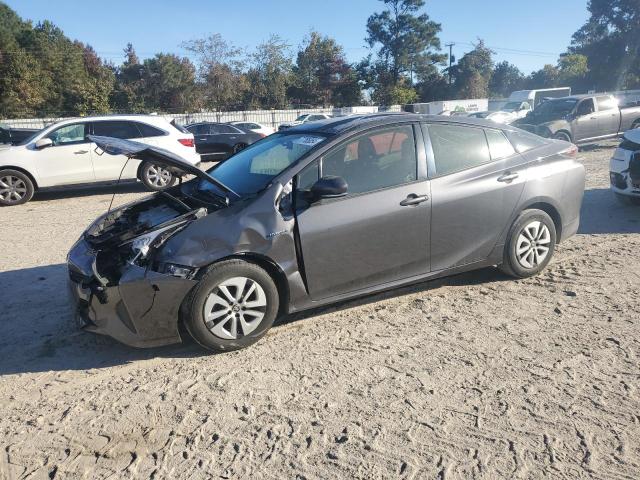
pixel 309 141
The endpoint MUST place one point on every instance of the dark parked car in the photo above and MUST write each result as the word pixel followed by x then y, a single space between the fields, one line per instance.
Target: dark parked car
pixel 217 141
pixel 581 119
pixel 12 136
pixel 317 214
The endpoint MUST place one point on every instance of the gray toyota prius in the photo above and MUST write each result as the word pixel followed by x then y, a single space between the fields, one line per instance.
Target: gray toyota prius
pixel 320 213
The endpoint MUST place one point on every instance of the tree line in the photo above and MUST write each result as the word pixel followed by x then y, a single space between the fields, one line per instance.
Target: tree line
pixel 43 72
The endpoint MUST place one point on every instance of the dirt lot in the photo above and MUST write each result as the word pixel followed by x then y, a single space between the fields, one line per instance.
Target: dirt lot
pixel 476 376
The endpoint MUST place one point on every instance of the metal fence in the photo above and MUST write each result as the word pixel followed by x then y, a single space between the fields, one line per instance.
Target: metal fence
pixel 271 118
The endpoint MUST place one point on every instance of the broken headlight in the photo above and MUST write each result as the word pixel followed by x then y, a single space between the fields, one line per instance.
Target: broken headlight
pixel 142 245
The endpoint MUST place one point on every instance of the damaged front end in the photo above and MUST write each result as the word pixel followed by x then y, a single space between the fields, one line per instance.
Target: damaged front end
pixel 117 287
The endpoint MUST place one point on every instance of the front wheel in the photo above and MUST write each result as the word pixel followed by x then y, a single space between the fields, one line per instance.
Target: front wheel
pixel 16 188
pixel 156 177
pixel 530 244
pixel 232 306
pixel 238 147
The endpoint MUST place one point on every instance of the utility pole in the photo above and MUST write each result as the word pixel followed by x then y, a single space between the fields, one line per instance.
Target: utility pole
pixel 450 45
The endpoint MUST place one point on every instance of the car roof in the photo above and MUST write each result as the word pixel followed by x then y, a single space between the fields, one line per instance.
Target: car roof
pixel 150 119
pixel 339 125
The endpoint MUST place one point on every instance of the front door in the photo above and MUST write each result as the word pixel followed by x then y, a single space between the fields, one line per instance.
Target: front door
pixel 478 180
pixel 379 231
pixel 586 122
pixel 68 160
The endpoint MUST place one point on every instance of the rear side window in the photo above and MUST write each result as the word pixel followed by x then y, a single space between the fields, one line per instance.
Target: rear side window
pixel 227 129
pixel 116 129
pixel 148 130
pixel 198 129
pixel 525 141
pixel 606 103
pixel 499 146
pixel 457 148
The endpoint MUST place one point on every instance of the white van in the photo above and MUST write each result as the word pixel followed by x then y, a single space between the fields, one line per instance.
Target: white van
pixel 522 102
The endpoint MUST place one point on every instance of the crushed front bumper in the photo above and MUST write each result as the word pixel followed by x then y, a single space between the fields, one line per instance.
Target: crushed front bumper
pixel 140 311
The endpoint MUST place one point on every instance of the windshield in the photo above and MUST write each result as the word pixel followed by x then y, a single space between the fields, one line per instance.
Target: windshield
pixel 556 108
pixel 302 118
pixel 511 106
pixel 251 169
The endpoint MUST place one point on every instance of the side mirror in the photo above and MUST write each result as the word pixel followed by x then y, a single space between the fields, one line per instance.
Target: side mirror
pixel 43 143
pixel 329 187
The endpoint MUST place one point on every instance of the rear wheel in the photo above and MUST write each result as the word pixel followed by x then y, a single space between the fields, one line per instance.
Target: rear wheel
pixel 232 307
pixel 156 177
pixel 530 244
pixel 562 136
pixel 16 188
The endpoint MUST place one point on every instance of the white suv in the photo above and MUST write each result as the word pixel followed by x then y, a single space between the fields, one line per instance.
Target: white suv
pixel 624 168
pixel 61 154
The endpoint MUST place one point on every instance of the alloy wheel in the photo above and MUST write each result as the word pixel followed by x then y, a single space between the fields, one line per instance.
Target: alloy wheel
pixel 235 308
pixel 158 176
pixel 533 244
pixel 12 188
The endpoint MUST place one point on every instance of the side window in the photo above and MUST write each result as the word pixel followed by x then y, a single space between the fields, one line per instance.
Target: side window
pixel 149 131
pixel 378 159
pixel 457 147
pixel 499 146
pixel 586 107
pixel 524 141
pixel 606 103
pixel 213 129
pixel 227 129
pixel 116 129
pixel 69 134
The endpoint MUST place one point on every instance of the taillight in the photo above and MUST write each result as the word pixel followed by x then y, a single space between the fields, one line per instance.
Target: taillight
pixel 187 142
pixel 572 151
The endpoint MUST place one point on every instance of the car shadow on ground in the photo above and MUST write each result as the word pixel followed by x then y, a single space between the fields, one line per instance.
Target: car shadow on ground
pixel 37 333
pixel 89 190
pixel 603 213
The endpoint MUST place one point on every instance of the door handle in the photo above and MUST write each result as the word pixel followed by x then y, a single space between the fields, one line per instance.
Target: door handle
pixel 507 177
pixel 414 199
pixel 81 152
pixel 593 118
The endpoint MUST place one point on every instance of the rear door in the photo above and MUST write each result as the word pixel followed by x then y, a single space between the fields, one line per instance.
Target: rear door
pixel 113 167
pixel 477 180
pixel 608 115
pixel 379 232
pixel 68 160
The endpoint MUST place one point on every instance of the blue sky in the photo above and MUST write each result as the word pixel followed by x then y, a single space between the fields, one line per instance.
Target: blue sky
pixel 520 33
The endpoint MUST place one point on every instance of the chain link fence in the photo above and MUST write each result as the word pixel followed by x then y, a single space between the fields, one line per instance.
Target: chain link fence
pixel 272 118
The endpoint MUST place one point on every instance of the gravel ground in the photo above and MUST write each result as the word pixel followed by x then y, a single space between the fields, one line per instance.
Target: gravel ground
pixel 475 376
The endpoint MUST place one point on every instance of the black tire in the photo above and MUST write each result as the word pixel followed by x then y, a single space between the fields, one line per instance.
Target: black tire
pixel 156 177
pixel 636 124
pixel 238 146
pixel 627 200
pixel 16 188
pixel 562 136
pixel 513 265
pixel 193 308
